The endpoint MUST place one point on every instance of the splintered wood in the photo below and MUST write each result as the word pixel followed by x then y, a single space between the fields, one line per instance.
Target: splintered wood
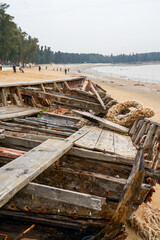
pixel 107 141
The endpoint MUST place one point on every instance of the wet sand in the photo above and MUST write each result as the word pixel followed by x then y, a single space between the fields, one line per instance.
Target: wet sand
pixel 120 89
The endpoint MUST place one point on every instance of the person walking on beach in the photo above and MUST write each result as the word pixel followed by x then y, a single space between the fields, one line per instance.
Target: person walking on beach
pixel 39 68
pixel 14 68
pixel 21 69
pixel 65 70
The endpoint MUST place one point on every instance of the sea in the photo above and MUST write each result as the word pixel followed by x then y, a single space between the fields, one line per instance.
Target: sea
pixel 148 73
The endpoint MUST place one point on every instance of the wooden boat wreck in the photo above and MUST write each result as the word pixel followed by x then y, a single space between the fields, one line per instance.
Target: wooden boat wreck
pixel 58 171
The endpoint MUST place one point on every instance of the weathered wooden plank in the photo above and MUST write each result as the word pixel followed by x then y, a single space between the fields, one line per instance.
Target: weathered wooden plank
pixel 152 122
pixel 37 197
pixel 81 94
pixel 138 127
pixel 16 142
pixel 20 95
pixel 61 119
pixel 27 112
pixel 18 173
pixel 49 123
pixel 103 122
pixel 106 142
pixel 16 99
pixel 149 137
pixel 64 100
pixel 58 221
pixel 141 133
pixel 129 196
pixel 123 146
pixel 98 97
pixel 90 139
pixel 10 153
pixel 15 125
pixel 104 157
pixel 133 128
pixel 37 122
pixel 37 82
pixel 4 97
pixel 92 165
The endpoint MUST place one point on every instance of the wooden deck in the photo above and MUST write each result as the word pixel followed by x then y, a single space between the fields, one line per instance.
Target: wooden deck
pixel 107 142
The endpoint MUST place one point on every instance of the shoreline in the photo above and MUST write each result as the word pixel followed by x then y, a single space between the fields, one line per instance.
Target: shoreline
pixel 124 90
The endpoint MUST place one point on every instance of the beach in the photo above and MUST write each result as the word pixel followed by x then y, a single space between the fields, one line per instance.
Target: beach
pixel 118 88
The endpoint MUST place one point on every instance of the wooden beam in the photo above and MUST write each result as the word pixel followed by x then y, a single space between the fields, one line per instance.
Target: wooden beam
pixel 18 173
pixel 98 97
pixel 10 153
pixel 64 100
pixel 37 198
pixel 37 82
pixel 102 121
pixel 4 97
pixel 16 125
pixel 104 157
pixel 24 112
pixel 43 89
pixel 20 95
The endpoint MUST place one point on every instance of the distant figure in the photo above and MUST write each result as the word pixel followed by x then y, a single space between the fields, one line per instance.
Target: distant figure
pixel 60 69
pixel 21 69
pixel 14 68
pixel 68 69
pixel 46 67
pixel 53 69
pixel 0 66
pixel 39 68
pixel 65 70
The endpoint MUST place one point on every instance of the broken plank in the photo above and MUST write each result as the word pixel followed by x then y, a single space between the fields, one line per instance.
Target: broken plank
pixel 102 121
pixel 64 100
pixel 18 173
pixel 90 139
pixel 98 97
pixel 105 142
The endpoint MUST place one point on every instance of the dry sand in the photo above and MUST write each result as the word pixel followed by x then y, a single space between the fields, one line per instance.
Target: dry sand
pixel 120 89
pixel 32 74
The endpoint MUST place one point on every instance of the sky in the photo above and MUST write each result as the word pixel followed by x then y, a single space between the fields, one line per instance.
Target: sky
pixel 90 26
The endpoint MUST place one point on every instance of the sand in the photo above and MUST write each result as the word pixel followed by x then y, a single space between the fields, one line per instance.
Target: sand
pixel 120 89
pixel 31 74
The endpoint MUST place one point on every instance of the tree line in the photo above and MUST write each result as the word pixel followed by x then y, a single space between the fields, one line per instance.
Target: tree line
pixel 18 46
pixel 15 45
